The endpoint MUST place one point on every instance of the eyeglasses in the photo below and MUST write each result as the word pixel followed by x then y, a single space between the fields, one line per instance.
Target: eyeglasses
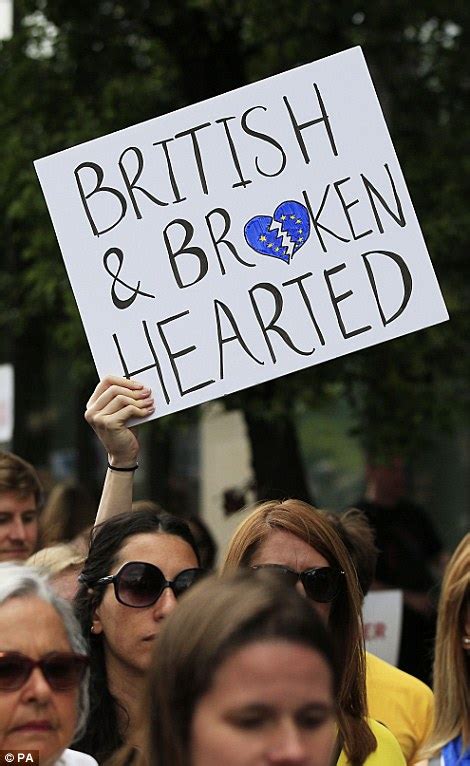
pixel 322 584
pixel 62 670
pixel 139 584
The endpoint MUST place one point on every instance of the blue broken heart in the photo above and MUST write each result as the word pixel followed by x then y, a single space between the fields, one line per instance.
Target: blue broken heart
pixel 283 234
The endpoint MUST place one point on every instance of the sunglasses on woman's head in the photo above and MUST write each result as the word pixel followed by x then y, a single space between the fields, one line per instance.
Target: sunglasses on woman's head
pixel 322 584
pixel 62 670
pixel 140 584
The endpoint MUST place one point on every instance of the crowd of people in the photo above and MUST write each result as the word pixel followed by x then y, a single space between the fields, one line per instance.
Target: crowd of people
pixel 105 658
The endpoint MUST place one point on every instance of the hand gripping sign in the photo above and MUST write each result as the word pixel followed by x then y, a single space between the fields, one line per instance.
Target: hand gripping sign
pixel 244 237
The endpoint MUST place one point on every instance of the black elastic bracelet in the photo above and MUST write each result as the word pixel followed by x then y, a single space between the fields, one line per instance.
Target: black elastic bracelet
pixel 116 468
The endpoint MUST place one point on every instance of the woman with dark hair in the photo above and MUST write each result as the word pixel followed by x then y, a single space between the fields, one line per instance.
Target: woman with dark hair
pixel 138 564
pixel 243 675
pixel 298 542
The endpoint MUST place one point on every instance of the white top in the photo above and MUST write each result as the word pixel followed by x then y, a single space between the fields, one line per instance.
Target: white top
pixel 74 758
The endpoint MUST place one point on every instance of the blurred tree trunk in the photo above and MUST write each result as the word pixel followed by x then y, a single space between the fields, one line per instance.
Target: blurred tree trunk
pixel 276 455
pixel 277 462
pixel 158 451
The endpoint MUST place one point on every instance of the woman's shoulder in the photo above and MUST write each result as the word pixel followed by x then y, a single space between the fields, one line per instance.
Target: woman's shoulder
pixel 75 758
pixel 388 752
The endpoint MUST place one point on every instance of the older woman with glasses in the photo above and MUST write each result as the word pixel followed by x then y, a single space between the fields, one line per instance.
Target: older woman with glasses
pixel 43 670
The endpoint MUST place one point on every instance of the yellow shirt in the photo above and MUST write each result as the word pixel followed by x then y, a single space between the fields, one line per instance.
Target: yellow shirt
pixel 401 702
pixel 388 751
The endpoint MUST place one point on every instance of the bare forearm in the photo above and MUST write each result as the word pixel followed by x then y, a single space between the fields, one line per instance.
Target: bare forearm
pixel 116 496
pixel 113 403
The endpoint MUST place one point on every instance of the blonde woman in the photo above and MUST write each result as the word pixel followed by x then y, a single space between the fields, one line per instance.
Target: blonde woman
pixel 63 563
pixel 450 743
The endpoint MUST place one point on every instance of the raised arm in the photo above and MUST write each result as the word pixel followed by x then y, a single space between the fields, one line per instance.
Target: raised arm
pixel 113 403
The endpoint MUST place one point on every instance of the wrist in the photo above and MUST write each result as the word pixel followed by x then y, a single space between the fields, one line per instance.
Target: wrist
pixel 123 469
pixel 122 462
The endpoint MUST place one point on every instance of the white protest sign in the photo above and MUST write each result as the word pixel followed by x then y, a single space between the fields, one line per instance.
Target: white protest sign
pixel 244 237
pixel 382 615
pixel 7 393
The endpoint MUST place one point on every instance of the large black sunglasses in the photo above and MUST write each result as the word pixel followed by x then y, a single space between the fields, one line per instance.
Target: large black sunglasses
pixel 322 584
pixel 62 670
pixel 140 584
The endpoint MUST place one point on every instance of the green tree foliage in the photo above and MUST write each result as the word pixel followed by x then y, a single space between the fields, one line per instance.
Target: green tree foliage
pixel 77 70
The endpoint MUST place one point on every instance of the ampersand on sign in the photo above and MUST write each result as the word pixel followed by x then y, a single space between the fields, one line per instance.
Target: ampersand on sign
pixel 119 302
